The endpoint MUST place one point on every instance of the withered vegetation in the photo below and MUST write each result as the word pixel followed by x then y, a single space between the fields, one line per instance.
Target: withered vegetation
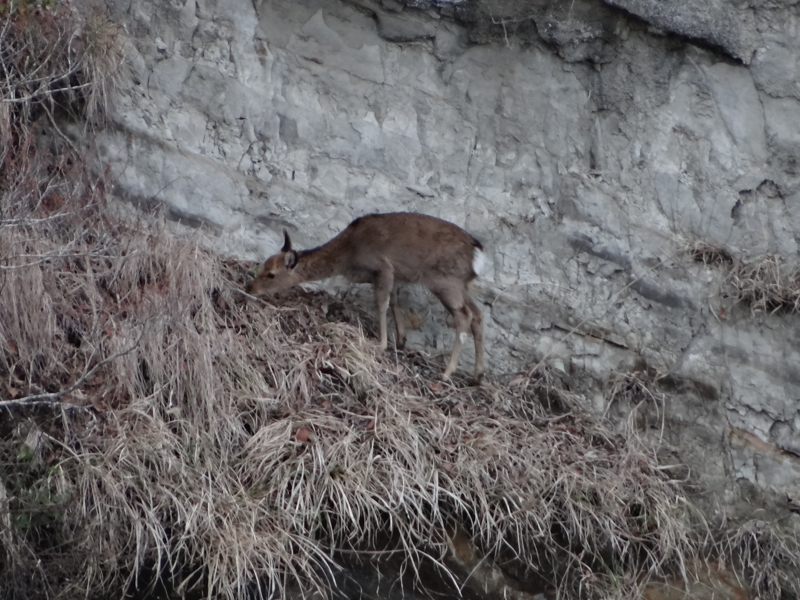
pixel 708 254
pixel 767 553
pixel 162 420
pixel 158 424
pixel 767 284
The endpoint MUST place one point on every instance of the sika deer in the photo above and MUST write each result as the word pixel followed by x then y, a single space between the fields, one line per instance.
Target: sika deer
pixel 386 250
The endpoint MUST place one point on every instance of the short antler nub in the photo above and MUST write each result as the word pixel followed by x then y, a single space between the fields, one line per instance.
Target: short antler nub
pixel 287 243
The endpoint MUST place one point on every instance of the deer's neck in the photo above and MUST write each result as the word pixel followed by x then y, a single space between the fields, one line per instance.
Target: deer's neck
pixel 323 261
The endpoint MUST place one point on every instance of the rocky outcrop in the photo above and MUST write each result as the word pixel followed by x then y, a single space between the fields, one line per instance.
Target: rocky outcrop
pixel 731 26
pixel 588 145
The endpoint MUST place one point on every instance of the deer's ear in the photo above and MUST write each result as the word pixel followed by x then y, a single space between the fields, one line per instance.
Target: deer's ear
pixel 287 243
pixel 290 259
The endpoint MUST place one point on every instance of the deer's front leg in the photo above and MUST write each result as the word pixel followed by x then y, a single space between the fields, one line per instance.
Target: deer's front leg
pixel 383 285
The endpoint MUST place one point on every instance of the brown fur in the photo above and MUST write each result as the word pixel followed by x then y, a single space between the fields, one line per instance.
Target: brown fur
pixel 386 250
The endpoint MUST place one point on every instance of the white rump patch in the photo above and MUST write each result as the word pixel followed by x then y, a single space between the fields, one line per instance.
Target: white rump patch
pixel 478 261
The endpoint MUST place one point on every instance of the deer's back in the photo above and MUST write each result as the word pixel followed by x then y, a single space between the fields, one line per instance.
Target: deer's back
pixel 420 248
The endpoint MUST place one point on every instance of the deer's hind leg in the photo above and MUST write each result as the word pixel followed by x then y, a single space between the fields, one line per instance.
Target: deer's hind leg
pixel 476 325
pixel 400 339
pixel 453 296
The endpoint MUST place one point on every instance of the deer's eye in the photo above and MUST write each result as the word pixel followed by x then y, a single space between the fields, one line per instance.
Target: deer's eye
pixel 271 275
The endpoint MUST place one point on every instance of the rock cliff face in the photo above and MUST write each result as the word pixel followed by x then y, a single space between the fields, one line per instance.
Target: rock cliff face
pixel 587 144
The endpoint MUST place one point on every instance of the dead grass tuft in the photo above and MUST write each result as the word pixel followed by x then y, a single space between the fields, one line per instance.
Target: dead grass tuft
pixel 709 255
pixel 766 285
pixel 635 398
pixel 55 60
pixel 768 554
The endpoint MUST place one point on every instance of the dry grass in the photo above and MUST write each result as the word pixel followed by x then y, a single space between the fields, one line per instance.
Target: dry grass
pixel 157 424
pixel 162 420
pixel 709 255
pixel 765 556
pixel 162 423
pixel 54 60
pixel 766 285
pixel 768 556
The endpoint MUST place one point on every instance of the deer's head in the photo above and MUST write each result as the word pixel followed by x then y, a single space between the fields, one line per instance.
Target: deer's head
pixel 278 273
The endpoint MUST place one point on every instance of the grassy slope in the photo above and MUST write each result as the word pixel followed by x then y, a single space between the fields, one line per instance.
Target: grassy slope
pixel 155 420
pixel 178 423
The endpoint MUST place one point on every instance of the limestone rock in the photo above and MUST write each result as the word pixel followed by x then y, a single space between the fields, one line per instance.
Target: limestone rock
pixel 724 23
